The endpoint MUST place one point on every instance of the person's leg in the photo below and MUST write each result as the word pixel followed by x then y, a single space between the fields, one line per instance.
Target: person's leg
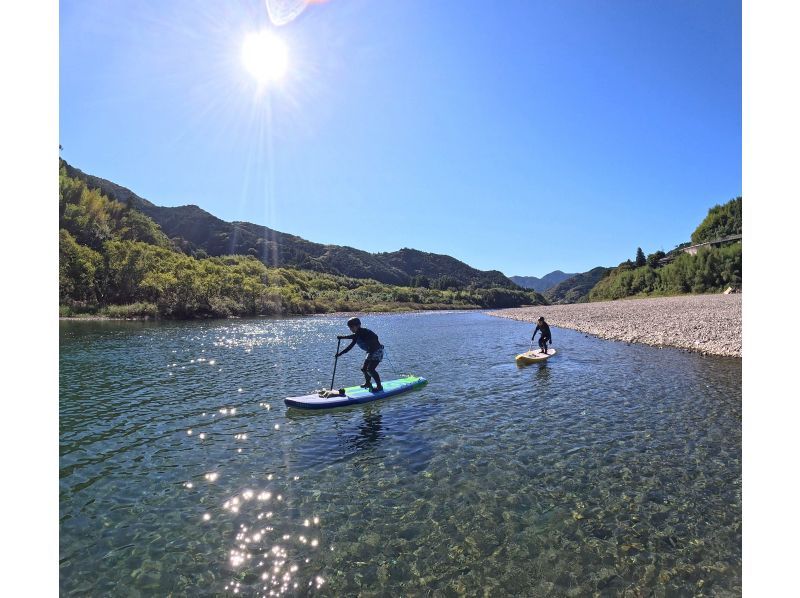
pixel 374 373
pixel 365 370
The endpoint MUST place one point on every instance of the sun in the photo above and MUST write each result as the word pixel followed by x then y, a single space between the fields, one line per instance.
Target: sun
pixel 265 56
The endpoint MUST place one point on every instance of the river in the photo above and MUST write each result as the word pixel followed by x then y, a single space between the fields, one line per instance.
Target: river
pixel 610 468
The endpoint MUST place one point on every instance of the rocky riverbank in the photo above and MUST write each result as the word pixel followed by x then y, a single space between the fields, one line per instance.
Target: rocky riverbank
pixel 709 324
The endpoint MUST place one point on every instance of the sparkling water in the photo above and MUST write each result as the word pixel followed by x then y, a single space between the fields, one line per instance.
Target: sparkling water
pixel 611 469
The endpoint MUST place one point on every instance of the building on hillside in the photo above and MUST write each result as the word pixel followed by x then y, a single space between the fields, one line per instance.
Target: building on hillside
pixel 693 249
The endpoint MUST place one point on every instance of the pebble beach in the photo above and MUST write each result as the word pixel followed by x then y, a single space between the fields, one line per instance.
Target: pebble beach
pixel 708 324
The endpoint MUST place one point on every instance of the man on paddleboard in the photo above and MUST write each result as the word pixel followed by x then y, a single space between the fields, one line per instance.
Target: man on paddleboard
pixel 368 341
pixel 541 326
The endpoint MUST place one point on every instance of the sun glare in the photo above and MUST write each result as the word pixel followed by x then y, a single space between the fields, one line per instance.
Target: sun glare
pixel 265 56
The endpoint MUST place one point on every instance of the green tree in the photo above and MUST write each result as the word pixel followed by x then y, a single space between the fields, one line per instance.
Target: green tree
pixel 420 280
pixel 79 269
pixel 640 259
pixel 446 282
pixel 654 258
pixel 92 218
pixel 721 221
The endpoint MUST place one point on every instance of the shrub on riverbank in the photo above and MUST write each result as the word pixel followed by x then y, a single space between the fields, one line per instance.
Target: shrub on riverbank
pixel 712 269
pixel 134 310
pixel 135 279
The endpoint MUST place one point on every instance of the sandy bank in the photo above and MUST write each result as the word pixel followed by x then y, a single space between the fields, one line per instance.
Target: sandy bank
pixel 710 324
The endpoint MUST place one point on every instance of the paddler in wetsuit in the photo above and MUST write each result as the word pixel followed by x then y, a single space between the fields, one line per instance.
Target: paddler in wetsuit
pixel 541 326
pixel 368 341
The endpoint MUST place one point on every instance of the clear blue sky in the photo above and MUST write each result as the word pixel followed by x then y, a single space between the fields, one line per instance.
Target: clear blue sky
pixel 519 136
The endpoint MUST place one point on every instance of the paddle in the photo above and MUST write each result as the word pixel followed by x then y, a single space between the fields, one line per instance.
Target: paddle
pixel 335 361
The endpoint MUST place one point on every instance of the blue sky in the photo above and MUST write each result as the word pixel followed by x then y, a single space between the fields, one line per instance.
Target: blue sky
pixel 519 136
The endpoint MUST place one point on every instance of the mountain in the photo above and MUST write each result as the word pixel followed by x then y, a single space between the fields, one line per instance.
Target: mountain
pixel 197 232
pixel 115 261
pixel 543 283
pixel 576 288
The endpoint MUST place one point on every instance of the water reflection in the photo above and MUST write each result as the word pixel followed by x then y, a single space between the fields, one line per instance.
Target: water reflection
pixel 370 430
pixel 543 376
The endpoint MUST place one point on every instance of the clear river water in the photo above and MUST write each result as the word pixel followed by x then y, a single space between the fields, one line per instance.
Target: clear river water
pixel 611 469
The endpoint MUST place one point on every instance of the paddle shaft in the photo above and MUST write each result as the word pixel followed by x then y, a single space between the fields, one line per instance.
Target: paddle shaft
pixel 335 361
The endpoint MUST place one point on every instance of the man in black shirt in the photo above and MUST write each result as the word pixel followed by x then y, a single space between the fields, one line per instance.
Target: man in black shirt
pixel 541 326
pixel 368 341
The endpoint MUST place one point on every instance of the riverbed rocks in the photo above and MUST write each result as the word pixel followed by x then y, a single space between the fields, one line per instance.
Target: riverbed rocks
pixel 709 324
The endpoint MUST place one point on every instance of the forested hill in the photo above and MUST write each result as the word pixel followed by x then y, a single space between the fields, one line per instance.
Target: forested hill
pixel 541 284
pixel 199 233
pixel 576 288
pixel 712 267
pixel 722 221
pixel 116 261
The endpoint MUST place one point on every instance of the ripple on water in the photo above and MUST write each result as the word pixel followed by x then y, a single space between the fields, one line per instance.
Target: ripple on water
pixel 610 468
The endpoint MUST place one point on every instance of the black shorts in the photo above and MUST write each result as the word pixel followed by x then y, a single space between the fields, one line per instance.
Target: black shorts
pixel 373 359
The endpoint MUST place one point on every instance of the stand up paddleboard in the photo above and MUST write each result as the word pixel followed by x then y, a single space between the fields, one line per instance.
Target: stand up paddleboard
pixel 536 356
pixel 355 394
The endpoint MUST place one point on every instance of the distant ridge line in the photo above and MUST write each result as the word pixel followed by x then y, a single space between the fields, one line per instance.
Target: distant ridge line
pixel 198 232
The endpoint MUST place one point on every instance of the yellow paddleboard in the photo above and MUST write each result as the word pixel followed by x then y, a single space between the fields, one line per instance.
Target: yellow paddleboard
pixel 536 356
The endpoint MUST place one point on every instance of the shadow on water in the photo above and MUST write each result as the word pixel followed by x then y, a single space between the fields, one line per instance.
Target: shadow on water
pixel 369 430
pixel 341 434
pixel 543 375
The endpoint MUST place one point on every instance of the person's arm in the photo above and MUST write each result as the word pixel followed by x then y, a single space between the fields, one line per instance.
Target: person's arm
pixel 350 346
pixel 534 332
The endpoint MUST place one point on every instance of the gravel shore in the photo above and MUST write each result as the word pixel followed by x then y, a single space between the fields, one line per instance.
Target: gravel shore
pixel 709 324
